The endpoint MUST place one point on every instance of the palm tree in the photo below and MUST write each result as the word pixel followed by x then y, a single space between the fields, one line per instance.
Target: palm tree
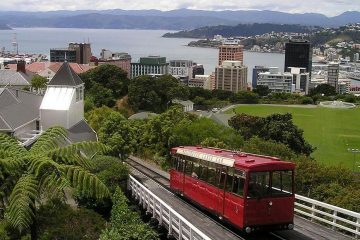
pixel 50 167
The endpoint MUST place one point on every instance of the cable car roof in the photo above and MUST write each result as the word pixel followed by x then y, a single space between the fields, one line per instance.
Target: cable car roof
pixel 234 159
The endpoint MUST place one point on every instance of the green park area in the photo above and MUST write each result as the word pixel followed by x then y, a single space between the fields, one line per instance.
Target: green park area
pixel 331 131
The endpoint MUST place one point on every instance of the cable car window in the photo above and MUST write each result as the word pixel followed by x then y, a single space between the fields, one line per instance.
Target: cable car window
pixel 239 182
pixel 196 169
pixel 259 185
pixel 222 172
pixel 281 183
pixel 212 174
pixel 203 171
pixel 180 166
pixel 229 180
pixel 174 162
pixel 188 166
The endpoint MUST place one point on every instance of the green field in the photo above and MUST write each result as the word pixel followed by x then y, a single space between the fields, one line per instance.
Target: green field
pixel 331 131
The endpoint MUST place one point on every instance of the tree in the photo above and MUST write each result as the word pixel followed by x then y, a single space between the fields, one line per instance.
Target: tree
pixel 38 82
pixel 247 125
pixel 126 224
pixel 262 90
pixel 46 170
pixel 57 220
pixel 277 127
pixel 155 93
pixel 325 89
pixel 117 133
pixel 245 97
pixel 97 117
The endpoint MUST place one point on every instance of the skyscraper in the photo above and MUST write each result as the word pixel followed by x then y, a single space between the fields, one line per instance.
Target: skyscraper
pixel 230 53
pixel 298 53
pixel 231 76
pixel 333 75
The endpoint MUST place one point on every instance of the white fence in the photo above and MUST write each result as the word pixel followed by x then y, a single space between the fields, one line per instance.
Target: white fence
pixel 337 218
pixel 177 226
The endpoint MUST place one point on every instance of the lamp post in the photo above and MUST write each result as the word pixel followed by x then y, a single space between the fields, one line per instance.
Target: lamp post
pixel 354 151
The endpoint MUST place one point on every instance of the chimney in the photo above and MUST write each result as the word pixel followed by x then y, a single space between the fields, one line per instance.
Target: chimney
pixel 20 66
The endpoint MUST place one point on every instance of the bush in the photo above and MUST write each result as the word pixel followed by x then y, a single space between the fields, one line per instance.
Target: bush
pixel 57 220
pixel 307 100
pixel 126 224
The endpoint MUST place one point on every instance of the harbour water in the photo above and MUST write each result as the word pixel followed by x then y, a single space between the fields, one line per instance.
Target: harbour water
pixel 137 43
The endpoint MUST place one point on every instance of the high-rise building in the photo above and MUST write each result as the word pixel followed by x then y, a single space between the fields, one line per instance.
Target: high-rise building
pixel 276 81
pixel 76 52
pixel 333 75
pixel 121 60
pixel 151 65
pixel 231 53
pixel 197 69
pixel 301 79
pixel 255 75
pixel 181 69
pixel 298 53
pixel 231 76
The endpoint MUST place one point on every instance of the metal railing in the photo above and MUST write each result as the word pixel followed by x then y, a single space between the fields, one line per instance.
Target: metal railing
pixel 337 218
pixel 177 225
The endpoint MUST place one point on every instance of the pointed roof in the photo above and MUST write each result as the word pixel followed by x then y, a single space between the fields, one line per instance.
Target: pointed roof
pixel 65 76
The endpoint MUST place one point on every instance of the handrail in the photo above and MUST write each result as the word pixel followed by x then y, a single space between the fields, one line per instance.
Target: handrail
pixel 348 222
pixel 174 221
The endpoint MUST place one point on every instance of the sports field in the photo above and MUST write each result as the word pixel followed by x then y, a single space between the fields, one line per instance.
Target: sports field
pixel 331 131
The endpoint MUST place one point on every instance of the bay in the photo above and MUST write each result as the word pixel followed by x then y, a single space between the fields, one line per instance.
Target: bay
pixel 137 43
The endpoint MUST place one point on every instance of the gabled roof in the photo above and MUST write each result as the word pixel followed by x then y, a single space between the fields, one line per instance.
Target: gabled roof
pixel 81 132
pixel 14 78
pixel 17 108
pixel 65 76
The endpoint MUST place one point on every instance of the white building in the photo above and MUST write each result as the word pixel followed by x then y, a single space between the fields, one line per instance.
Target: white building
pixel 181 69
pixel 344 86
pixel 277 81
pixel 333 75
pixel 202 81
pixel 231 76
pixel 301 79
pixel 187 105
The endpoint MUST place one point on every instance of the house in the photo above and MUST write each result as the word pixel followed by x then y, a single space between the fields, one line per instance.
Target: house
pixel 25 115
pixel 187 105
pixel 63 105
pixel 17 78
pixel 19 114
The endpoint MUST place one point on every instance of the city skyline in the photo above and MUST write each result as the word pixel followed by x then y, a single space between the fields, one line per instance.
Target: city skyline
pixel 328 8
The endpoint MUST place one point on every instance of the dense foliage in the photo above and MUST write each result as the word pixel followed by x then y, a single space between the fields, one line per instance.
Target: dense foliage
pixel 155 93
pixel 38 82
pixel 277 127
pixel 57 220
pixel 126 224
pixel 104 85
pixel 323 89
pixel 47 170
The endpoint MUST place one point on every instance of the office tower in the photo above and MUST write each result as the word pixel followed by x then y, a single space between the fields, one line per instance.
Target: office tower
pixel 276 81
pixel 255 75
pixel 298 53
pixel 230 53
pixel 151 65
pixel 333 75
pixel 231 76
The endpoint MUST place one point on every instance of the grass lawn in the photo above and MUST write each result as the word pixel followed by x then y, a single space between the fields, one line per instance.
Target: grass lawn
pixel 331 131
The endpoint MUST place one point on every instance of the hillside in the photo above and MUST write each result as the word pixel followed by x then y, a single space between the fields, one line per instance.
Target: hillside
pixel 4 27
pixel 178 19
pixel 239 30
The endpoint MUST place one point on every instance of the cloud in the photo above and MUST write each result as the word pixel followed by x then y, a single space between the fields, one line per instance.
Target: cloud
pixel 327 7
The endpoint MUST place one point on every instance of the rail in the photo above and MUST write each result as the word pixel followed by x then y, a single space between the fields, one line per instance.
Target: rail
pixel 337 218
pixel 177 225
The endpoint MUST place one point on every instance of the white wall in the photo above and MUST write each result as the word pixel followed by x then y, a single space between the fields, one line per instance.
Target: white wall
pixel 27 128
pixel 50 118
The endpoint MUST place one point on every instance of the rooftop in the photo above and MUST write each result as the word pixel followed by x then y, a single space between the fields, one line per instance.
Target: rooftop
pixel 65 76
pixel 238 159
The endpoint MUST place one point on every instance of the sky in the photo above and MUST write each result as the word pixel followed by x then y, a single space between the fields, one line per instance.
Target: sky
pixel 327 7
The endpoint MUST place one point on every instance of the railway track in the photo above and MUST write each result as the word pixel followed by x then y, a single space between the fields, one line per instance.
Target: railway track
pixel 164 181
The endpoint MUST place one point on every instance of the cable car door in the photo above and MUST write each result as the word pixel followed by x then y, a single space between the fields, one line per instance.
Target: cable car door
pixel 221 173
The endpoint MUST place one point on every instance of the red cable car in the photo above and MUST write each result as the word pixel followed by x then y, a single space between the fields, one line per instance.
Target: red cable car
pixel 250 191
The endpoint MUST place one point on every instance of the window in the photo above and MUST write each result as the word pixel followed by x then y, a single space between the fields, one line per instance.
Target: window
pixel 203 171
pixel 188 166
pixel 281 183
pixel 239 182
pixel 196 169
pixel 259 185
pixel 229 180
pixel 180 165
pixel 174 162
pixel 211 178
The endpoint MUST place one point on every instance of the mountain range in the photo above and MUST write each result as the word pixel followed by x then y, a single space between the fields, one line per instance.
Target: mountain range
pixel 180 19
